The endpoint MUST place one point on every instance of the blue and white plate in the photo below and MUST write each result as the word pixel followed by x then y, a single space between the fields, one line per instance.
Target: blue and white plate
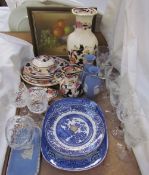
pixel 74 126
pixel 82 163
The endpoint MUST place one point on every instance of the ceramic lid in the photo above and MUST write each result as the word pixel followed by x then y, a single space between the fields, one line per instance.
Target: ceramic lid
pixel 43 61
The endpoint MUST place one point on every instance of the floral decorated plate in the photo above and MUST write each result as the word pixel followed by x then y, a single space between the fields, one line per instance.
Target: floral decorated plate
pixel 60 62
pixel 72 69
pixel 74 126
pixel 32 71
pixel 39 82
pixel 44 71
pixel 83 163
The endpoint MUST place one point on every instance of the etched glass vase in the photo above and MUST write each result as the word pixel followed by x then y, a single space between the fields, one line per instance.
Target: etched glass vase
pixel 82 40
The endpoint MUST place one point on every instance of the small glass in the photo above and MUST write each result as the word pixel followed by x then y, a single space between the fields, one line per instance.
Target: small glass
pixel 123 152
pixel 19 132
pixel 114 88
pixel 38 100
pixel 21 97
pixel 111 74
pixel 103 59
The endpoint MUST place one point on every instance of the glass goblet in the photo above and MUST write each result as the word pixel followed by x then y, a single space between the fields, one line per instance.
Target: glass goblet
pixel 103 59
pixel 38 100
pixel 37 103
pixel 21 97
pixel 123 153
pixel 19 132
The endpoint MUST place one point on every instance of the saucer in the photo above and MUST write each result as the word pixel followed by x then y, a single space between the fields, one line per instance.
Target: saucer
pixel 83 163
pixel 72 69
pixel 74 127
pixel 38 82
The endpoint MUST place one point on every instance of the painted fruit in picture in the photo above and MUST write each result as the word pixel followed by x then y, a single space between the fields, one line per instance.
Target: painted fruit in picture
pixel 52 31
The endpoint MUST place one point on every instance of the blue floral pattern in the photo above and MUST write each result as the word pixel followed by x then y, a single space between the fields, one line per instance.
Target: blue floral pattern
pixel 74 126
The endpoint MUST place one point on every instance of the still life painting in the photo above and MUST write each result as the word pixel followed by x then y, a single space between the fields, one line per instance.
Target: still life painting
pixel 50 28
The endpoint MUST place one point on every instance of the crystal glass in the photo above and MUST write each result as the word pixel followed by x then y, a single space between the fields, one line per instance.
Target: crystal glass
pixel 123 152
pixel 38 100
pixel 114 94
pixel 19 132
pixel 113 85
pixel 21 97
pixel 103 59
pixel 111 74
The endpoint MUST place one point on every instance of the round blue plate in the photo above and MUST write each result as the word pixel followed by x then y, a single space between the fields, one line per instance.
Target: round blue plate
pixel 83 163
pixel 74 126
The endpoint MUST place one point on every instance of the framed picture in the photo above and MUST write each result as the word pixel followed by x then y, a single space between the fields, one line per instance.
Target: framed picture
pixel 50 27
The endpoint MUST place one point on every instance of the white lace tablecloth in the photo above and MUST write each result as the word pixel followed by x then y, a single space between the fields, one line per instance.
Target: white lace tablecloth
pixel 125 26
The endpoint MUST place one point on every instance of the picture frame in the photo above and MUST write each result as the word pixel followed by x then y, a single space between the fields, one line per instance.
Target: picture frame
pixel 49 28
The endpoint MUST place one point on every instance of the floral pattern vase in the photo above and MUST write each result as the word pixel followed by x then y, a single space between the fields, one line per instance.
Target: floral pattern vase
pixel 82 40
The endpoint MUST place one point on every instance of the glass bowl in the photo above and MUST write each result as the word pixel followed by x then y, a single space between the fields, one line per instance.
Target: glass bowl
pixel 19 132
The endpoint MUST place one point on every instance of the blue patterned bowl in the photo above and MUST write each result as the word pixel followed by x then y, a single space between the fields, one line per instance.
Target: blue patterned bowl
pixel 74 127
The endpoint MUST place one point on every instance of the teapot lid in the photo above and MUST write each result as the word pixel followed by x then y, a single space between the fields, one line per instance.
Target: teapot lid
pixel 43 61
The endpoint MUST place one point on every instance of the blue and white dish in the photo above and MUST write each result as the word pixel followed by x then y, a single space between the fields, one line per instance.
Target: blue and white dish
pixel 74 127
pixel 26 161
pixel 82 163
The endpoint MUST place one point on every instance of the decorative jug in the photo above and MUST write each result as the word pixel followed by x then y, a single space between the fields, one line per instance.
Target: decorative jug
pixel 92 82
pixel 82 40
pixel 88 62
pixel 70 86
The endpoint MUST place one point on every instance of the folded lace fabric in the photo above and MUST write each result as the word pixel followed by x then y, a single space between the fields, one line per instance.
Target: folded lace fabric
pixel 125 25
pixel 14 53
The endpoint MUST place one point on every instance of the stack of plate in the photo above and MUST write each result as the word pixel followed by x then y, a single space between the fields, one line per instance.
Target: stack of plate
pixel 74 135
pixel 44 71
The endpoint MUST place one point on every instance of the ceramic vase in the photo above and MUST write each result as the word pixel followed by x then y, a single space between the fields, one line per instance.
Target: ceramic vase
pixel 82 40
pixel 92 82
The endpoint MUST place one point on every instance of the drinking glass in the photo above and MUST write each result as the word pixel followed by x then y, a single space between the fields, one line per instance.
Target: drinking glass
pixel 21 97
pixel 123 152
pixel 19 132
pixel 114 92
pixel 38 100
pixel 103 59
